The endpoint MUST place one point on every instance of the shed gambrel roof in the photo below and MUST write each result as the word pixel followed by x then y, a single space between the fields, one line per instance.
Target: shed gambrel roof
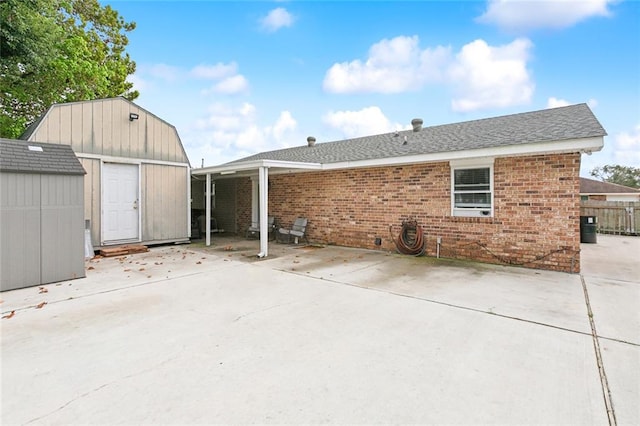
pixel 20 156
pixel 549 125
pixel 591 186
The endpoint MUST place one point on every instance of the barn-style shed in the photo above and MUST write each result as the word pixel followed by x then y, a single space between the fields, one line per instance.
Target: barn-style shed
pixel 137 187
pixel 41 214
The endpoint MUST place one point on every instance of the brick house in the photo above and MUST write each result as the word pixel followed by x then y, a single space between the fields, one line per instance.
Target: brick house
pixel 500 190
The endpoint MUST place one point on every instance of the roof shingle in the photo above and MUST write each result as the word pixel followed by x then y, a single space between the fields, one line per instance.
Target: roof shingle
pixel 591 186
pixel 17 157
pixel 556 124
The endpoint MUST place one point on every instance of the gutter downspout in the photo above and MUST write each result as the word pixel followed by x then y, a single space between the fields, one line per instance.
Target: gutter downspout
pixel 263 179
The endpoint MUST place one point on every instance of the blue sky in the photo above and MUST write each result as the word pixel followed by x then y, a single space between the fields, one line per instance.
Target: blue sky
pixel 239 77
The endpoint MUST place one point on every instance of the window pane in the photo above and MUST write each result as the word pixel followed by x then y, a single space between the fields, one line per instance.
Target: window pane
pixel 473 199
pixel 472 176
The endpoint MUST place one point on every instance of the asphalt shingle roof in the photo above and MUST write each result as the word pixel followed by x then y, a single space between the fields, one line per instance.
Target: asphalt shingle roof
pixel 15 156
pixel 556 124
pixel 591 186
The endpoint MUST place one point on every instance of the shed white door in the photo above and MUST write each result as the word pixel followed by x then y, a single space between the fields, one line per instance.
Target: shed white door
pixel 120 204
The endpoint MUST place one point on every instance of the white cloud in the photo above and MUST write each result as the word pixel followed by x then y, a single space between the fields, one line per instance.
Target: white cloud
pixel 284 124
pixel 519 15
pixel 276 19
pixel 229 132
pixel 556 103
pixel 627 147
pixel 231 85
pixel 367 121
pixel 214 72
pixel 480 75
pixel 393 66
pixel 487 77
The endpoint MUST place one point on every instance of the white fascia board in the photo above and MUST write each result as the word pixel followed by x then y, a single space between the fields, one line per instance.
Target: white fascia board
pixel 255 165
pixel 587 145
pixel 129 160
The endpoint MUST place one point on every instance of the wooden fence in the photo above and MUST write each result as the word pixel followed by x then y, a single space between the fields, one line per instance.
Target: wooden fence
pixel 614 217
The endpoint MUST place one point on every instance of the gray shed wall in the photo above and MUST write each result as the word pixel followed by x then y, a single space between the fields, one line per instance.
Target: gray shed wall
pixel 41 229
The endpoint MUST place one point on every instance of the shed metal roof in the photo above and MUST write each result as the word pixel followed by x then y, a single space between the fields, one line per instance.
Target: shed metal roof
pixel 20 156
pixel 550 125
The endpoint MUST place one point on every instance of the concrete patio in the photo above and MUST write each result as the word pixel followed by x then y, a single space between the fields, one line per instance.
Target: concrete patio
pixel 190 334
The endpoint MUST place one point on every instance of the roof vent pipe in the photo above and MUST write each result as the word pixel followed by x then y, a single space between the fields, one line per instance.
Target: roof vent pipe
pixel 311 141
pixel 417 124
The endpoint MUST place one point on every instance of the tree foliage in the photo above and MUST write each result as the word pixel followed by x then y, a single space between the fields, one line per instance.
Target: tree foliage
pixel 622 175
pixel 54 51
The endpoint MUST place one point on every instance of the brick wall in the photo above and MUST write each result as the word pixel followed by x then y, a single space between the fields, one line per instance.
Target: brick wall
pixel 536 220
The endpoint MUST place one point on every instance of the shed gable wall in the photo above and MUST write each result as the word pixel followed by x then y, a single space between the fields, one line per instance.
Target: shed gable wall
pixel 102 127
pixel 536 220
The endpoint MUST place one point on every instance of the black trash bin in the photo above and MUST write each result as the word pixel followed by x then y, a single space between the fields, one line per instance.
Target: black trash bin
pixel 588 229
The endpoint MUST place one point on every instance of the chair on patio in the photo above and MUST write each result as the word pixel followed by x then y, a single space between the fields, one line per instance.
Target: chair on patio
pixel 254 229
pixel 297 231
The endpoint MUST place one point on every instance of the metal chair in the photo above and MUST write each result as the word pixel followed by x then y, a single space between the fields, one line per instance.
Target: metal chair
pixel 254 230
pixel 297 231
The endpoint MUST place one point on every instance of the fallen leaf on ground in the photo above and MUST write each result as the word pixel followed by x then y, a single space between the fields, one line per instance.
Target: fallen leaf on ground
pixel 90 268
pixel 9 315
pixel 127 270
pixel 43 290
pixel 40 305
pixel 158 263
pixel 141 269
pixel 198 263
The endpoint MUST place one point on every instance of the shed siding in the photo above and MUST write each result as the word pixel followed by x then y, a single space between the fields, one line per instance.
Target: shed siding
pixel 164 204
pixel 42 238
pixel 102 127
pixel 92 197
pixel 62 233
pixel 20 230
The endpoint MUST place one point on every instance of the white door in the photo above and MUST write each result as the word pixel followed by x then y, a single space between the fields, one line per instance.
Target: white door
pixel 120 204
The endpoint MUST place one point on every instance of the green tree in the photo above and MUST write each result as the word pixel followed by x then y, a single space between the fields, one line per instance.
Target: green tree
pixel 54 51
pixel 622 175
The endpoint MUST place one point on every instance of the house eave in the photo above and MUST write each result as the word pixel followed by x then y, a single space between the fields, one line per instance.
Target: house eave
pixel 250 166
pixel 585 145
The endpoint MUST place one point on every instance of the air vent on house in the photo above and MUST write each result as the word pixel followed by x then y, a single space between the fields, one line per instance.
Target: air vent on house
pixel 311 141
pixel 417 124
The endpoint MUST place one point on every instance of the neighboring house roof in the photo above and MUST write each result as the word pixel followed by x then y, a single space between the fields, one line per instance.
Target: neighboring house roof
pixel 34 157
pixel 591 186
pixel 564 124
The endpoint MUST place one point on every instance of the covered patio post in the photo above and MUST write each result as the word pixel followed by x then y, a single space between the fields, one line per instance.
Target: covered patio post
pixel 207 217
pixel 263 186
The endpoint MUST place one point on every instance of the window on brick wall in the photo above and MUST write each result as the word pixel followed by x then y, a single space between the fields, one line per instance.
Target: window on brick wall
pixel 472 188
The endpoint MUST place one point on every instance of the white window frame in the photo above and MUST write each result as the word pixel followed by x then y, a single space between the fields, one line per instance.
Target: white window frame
pixel 484 163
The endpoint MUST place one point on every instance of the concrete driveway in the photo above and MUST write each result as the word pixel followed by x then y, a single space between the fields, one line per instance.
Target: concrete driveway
pixel 326 335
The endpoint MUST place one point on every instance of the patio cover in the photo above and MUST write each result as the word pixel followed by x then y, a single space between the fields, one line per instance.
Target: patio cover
pixel 250 168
